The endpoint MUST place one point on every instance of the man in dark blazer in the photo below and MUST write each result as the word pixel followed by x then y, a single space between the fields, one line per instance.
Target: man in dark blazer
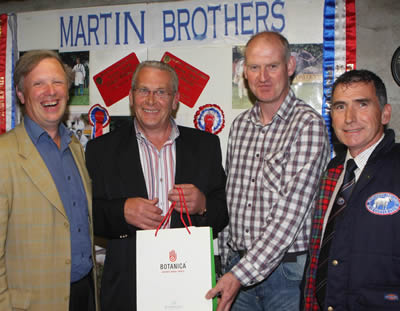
pixel 354 250
pixel 135 171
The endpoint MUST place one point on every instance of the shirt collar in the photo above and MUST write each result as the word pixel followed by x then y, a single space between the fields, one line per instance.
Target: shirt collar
pixel 172 137
pixel 284 111
pixel 36 132
pixel 362 159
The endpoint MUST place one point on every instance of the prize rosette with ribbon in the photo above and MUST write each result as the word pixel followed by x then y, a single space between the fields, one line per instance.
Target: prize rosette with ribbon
pixel 209 118
pixel 99 119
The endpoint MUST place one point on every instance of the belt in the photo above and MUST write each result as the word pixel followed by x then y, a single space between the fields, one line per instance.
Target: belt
pixel 289 257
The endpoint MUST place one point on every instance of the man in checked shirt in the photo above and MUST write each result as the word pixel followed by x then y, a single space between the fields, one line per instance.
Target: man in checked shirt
pixel 277 151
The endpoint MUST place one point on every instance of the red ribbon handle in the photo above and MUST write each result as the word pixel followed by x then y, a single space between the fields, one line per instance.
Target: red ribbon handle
pixel 167 216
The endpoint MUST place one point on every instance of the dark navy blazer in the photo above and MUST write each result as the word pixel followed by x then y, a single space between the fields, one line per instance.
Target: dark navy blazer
pixel 366 244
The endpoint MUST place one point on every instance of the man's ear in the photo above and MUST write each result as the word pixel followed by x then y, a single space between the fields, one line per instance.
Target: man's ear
pixel 131 98
pixel 386 114
pixel 20 95
pixel 291 65
pixel 176 101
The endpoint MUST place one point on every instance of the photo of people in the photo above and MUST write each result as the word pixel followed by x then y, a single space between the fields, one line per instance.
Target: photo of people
pixel 240 99
pixel 79 65
pixel 79 125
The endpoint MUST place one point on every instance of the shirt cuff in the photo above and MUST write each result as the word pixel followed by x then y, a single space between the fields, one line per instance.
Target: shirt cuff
pixel 242 272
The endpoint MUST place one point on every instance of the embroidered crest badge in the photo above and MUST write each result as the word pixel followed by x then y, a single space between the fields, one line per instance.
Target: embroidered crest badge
pixel 391 297
pixel 383 204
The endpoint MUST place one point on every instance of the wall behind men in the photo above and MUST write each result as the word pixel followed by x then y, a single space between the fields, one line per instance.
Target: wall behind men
pixel 148 29
pixel 378 34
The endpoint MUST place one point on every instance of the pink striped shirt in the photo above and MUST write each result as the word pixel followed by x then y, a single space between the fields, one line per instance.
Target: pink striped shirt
pixel 158 166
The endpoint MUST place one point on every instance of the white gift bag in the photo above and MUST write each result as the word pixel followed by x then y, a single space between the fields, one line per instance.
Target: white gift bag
pixel 175 269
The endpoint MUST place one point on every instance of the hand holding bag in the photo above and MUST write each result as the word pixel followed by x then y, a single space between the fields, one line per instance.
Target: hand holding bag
pixel 175 267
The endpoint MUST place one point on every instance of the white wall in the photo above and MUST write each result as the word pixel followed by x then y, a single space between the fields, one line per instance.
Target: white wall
pixel 378 34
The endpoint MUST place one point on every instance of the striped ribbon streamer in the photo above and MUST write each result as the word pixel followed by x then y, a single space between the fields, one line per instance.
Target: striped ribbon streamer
pixel 8 55
pixel 339 47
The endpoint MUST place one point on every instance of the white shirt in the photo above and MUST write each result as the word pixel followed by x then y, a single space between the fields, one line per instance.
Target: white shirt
pixel 158 166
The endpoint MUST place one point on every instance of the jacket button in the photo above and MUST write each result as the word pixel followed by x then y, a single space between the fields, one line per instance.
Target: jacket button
pixel 330 308
pixel 67 261
pixel 335 262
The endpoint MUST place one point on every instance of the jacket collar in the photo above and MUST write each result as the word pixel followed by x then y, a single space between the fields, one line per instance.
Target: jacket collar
pixel 34 166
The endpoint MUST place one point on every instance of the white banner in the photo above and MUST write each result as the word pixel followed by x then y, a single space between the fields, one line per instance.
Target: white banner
pixel 169 24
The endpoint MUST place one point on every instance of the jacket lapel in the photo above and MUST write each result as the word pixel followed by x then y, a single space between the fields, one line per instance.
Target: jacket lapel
pixel 179 168
pixel 129 165
pixel 373 165
pixel 36 169
pixel 184 158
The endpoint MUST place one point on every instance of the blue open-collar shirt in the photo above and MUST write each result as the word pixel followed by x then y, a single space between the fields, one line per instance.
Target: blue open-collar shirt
pixel 63 169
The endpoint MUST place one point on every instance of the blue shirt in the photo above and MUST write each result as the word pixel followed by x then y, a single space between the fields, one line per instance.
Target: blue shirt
pixel 62 167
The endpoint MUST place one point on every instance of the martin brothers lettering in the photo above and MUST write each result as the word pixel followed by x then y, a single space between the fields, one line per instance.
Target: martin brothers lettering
pixel 157 25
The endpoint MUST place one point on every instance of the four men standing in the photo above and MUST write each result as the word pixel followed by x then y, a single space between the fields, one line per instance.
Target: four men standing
pixel 277 151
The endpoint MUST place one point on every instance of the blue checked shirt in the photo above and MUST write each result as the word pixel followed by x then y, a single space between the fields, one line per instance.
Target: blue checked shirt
pixel 273 175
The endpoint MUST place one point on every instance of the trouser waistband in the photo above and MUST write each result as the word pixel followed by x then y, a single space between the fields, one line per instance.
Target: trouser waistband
pixel 289 257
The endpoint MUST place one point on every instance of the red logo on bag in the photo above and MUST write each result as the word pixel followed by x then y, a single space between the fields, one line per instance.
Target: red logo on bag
pixel 172 256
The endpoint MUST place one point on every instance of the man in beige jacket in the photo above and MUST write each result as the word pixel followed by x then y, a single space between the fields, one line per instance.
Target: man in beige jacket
pixel 46 239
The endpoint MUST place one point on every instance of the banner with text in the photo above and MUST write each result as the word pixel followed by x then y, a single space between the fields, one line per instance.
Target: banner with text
pixel 166 24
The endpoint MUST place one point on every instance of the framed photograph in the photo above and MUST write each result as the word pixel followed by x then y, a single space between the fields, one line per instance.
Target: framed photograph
pixel 395 66
pixel 78 62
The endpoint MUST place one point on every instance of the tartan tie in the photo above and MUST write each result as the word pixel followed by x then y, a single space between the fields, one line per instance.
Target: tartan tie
pixel 337 209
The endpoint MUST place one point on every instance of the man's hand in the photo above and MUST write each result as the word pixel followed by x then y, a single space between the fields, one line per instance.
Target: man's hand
pixel 228 286
pixel 142 213
pixel 195 199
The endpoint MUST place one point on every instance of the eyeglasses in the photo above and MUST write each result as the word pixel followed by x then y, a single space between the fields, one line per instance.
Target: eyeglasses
pixel 145 92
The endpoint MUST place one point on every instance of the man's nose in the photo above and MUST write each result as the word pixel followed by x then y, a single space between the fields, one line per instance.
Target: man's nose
pixel 151 97
pixel 349 114
pixel 50 88
pixel 264 74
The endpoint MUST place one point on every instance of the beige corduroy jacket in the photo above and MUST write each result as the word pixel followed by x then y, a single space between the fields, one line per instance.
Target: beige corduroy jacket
pixel 35 250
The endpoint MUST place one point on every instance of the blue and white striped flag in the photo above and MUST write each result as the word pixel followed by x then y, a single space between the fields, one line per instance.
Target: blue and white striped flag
pixel 339 46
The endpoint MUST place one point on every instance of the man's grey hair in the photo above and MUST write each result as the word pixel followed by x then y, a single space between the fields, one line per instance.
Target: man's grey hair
pixel 157 65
